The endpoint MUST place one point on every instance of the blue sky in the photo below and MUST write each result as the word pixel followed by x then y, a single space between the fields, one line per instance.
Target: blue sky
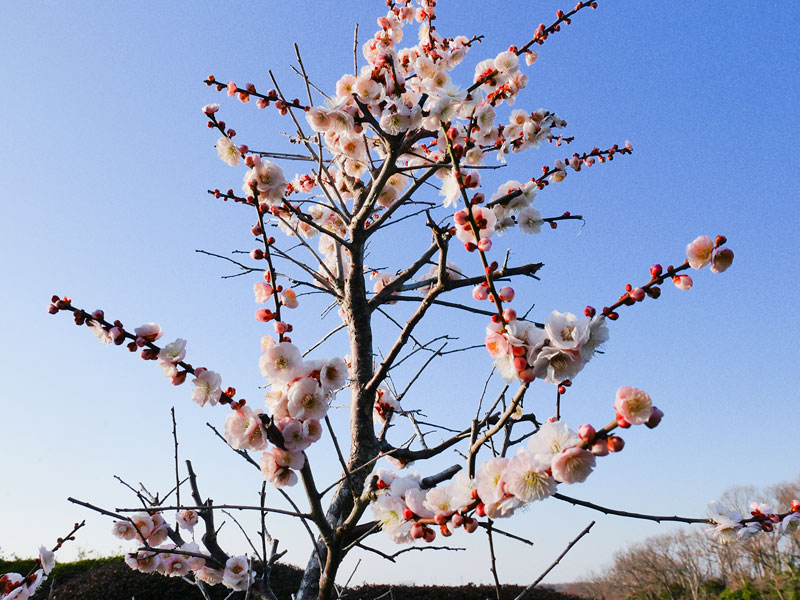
pixel 106 165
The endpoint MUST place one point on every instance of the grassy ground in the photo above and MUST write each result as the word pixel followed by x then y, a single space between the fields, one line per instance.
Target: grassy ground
pixel 111 579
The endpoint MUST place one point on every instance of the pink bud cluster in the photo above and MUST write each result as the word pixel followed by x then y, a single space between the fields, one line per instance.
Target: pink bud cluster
pixel 262 100
pixel 701 252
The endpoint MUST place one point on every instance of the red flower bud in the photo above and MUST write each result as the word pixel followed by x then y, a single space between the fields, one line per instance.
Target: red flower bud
pixel 615 443
pixel 429 535
pixel 470 524
pixel 600 448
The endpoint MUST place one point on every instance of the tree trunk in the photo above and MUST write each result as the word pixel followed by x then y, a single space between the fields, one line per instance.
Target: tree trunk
pixel 318 583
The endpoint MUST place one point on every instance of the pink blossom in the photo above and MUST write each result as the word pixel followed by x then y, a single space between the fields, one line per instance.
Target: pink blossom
pixel 207 387
pixel 149 332
pixel 573 465
pixel 496 344
pixel 123 530
pixel 244 429
pixel 333 374
pixel 633 405
pixel 144 562
pixel 160 530
pixel 262 291
pixel 209 575
pixel 187 519
pixel 280 362
pixel 237 575
pixel 699 251
pixel 489 479
pixel 173 352
pixel 312 430
pixel 294 439
pixel 551 439
pixel 47 559
pixel 289 298
pixel 526 477
pixel 306 400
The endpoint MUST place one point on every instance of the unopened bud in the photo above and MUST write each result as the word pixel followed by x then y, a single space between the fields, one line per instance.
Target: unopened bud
pixel 655 417
pixel 429 535
pixel 480 292
pixel 470 524
pixel 506 293
pixel 587 433
pixel 264 315
pixel 600 448
pixel 615 443
pixel 654 292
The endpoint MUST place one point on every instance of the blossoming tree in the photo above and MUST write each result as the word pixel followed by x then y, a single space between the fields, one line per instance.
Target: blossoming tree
pixel 372 150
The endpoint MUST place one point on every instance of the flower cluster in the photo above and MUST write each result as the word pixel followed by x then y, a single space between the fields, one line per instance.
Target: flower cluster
pixel 556 353
pixel 555 454
pixel 703 251
pixel 730 526
pixel 299 397
pixel 150 529
pixel 14 586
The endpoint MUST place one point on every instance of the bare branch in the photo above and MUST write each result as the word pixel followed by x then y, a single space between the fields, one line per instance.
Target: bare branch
pixel 630 515
pixel 528 589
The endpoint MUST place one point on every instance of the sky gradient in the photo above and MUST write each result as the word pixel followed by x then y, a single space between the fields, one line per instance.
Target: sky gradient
pixel 105 174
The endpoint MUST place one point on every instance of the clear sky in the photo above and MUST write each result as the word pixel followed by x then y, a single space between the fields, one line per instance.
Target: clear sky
pixel 105 170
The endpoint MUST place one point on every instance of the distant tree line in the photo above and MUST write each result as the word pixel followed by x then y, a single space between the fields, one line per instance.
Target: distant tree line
pixel 690 564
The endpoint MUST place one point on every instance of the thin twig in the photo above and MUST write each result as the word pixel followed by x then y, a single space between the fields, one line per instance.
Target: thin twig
pixel 631 515
pixel 493 560
pixel 528 589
